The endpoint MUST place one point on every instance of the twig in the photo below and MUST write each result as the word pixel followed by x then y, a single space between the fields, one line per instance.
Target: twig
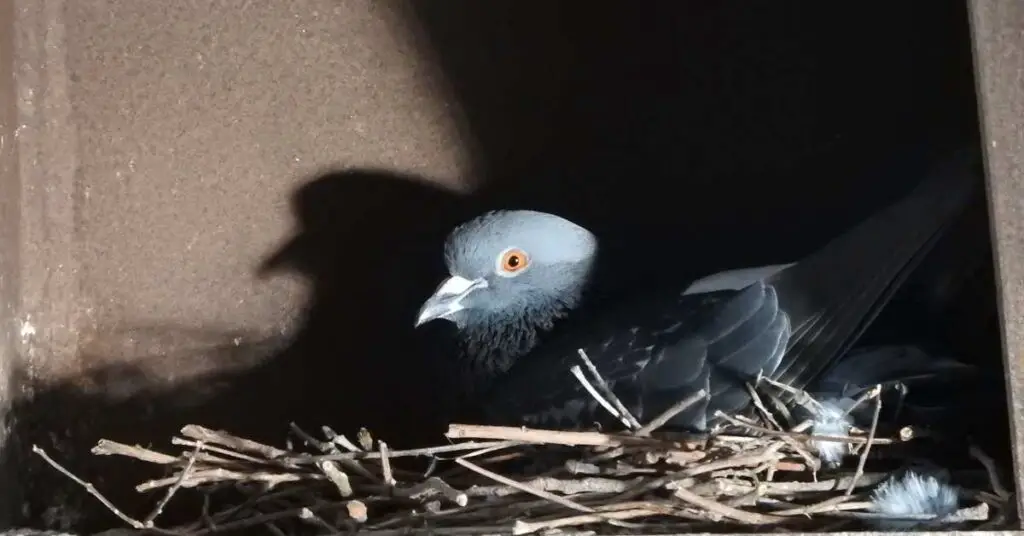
pixel 749 518
pixel 159 508
pixel 207 476
pixel 356 510
pixel 759 405
pixel 325 447
pixel 832 504
pixel 672 411
pixel 337 477
pixel 338 439
pixel 224 439
pixel 565 487
pixel 989 464
pixel 799 396
pixel 805 437
pixel 385 464
pixel 308 516
pixel 522 487
pixel 550 437
pixel 89 488
pixel 645 509
pixel 631 421
pixel 577 372
pixel 428 451
pixel 431 487
pixel 226 452
pixel 106 447
pixel 871 437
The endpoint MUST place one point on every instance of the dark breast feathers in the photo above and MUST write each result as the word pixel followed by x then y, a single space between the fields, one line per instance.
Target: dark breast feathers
pixel 653 353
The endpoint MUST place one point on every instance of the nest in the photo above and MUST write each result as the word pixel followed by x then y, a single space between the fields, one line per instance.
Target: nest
pixel 750 474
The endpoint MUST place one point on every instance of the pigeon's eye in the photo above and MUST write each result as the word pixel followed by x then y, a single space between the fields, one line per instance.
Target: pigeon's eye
pixel 512 261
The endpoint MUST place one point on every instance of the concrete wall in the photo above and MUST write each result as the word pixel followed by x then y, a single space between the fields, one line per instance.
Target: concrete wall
pixel 226 212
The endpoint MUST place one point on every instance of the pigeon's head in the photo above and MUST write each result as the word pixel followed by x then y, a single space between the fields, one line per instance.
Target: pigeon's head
pixel 511 263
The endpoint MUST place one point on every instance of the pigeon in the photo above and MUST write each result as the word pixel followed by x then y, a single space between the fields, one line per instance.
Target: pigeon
pixel 516 278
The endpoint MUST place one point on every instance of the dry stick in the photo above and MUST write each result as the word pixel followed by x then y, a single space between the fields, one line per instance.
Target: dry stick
pixel 224 439
pixel 802 397
pixel 227 452
pixel 308 516
pixel 759 405
pixel 607 391
pixel 832 504
pixel 427 451
pixel 223 515
pixel 805 437
pixel 338 439
pixel 487 450
pixel 577 372
pixel 356 510
pixel 871 437
pixel 89 488
pixel 522 487
pixel 524 527
pixel 749 518
pixel 106 447
pixel 325 447
pixel 385 464
pixel 148 522
pixel 811 460
pixel 566 487
pixel 990 468
pixel 431 487
pixel 732 487
pixel 551 437
pixel 258 519
pixel 337 477
pixel 208 476
pixel 672 411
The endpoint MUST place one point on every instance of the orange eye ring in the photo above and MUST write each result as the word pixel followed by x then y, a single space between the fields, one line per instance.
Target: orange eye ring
pixel 513 261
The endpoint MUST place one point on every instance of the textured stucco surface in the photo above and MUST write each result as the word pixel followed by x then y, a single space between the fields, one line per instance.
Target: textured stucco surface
pixel 998 29
pixel 172 138
pixel 158 149
pixel 9 198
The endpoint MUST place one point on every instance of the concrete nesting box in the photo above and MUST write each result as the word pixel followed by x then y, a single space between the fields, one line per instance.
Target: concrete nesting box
pixel 226 212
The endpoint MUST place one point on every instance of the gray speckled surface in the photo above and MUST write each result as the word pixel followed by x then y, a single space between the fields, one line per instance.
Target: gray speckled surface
pixel 150 153
pixel 999 54
pixel 159 137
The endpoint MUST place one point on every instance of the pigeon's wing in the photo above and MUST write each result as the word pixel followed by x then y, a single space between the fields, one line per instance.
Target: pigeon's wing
pixel 833 295
pixel 652 354
pixel 734 279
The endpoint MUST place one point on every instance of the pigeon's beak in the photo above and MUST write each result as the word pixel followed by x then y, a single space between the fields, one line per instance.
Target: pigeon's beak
pixel 447 299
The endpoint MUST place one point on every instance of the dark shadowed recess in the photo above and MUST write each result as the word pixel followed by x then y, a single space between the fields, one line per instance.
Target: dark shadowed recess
pixel 690 136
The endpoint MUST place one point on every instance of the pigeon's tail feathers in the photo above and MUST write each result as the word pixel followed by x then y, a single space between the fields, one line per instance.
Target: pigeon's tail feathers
pixel 863 368
pixel 834 294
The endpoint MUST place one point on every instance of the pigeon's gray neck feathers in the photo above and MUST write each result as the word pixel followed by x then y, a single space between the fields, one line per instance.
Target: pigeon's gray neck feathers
pixel 492 343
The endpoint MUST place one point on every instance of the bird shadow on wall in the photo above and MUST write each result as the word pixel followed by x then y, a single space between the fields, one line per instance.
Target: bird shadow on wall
pixel 367 241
